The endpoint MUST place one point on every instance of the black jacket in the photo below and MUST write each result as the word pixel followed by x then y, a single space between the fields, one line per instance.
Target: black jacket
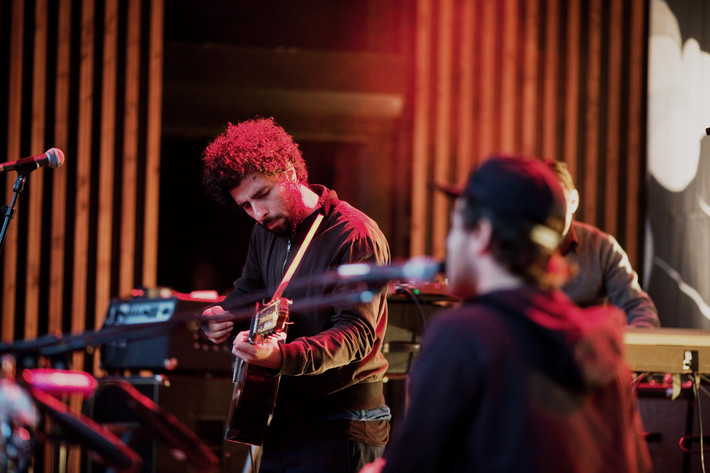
pixel 521 380
pixel 332 358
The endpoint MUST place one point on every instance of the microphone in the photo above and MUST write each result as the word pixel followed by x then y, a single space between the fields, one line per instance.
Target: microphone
pixel 417 269
pixel 52 158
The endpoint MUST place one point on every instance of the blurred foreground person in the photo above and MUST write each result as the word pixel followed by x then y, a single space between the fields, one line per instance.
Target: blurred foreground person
pixel 518 378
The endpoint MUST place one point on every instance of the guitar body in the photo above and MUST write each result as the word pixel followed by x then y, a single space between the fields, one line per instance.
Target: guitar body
pixel 253 401
pixel 256 387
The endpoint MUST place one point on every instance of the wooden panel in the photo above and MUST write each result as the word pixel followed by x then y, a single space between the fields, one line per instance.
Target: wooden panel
pixel 35 191
pixel 83 162
pixel 152 165
pixel 548 78
pixel 466 92
pixel 14 116
pixel 636 138
pixel 509 106
pixel 549 81
pixel 592 84
pixel 61 80
pixel 530 61
pixel 59 190
pixel 572 76
pixel 107 160
pixel 613 185
pixel 442 118
pixel 421 130
pixel 129 161
pixel 487 38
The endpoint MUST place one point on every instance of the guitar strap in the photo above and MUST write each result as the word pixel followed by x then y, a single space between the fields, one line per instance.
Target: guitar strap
pixel 297 259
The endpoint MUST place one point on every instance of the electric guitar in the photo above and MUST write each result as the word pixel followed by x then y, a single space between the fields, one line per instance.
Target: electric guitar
pixel 255 387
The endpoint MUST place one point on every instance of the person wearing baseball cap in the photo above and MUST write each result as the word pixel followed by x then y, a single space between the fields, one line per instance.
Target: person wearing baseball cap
pixel 517 377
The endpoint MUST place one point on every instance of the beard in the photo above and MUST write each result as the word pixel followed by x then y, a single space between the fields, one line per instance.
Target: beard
pixel 284 226
pixel 294 211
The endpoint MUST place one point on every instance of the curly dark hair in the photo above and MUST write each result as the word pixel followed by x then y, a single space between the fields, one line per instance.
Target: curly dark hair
pixel 253 146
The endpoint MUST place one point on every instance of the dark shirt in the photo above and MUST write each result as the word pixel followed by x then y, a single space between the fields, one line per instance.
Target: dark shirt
pixel 332 361
pixel 521 380
pixel 604 274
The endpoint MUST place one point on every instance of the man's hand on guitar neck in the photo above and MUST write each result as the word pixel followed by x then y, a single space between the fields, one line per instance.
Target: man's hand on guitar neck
pixel 266 353
pixel 217 332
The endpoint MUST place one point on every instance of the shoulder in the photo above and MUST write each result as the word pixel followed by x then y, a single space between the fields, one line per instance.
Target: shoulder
pixel 356 223
pixel 356 235
pixel 470 322
pixel 342 214
pixel 587 230
pixel 589 235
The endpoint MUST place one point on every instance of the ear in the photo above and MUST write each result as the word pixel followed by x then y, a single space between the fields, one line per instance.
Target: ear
pixel 573 201
pixel 481 236
pixel 291 174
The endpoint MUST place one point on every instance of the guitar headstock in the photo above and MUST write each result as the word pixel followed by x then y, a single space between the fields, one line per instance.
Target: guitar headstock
pixel 269 318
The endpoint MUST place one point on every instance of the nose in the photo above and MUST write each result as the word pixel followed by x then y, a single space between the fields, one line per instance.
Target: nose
pixel 260 212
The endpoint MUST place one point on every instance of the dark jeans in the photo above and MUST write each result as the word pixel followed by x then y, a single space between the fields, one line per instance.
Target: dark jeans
pixel 315 452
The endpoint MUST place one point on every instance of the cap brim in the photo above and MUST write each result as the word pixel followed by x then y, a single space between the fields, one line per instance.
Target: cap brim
pixel 450 190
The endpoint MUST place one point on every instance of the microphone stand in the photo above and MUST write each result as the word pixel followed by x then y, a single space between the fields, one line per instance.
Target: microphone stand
pixel 10 211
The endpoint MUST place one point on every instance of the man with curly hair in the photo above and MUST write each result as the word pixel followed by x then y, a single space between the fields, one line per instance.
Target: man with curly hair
pixel 330 413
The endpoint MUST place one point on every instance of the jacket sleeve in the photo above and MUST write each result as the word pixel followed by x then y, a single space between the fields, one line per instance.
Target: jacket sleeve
pixel 623 288
pixel 355 332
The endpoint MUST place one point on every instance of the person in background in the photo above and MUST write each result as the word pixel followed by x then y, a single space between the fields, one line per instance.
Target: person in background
pixel 601 269
pixel 516 378
pixel 330 414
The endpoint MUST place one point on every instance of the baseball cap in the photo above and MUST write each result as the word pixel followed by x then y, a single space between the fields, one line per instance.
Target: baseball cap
pixel 517 189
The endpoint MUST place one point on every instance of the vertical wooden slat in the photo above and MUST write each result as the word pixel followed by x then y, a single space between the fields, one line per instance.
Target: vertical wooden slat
pixel 508 114
pixel 530 73
pixel 81 270
pixel 550 98
pixel 572 88
pixel 83 174
pixel 591 115
pixel 613 119
pixel 130 150
pixel 152 191
pixel 57 275
pixel 14 117
pixel 442 126
pixel 489 80
pixel 465 67
pixel 635 151
pixel 420 124
pixel 37 140
pixel 106 164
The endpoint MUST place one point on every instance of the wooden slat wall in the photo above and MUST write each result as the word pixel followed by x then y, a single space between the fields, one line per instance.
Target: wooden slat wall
pixel 551 78
pixel 73 75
